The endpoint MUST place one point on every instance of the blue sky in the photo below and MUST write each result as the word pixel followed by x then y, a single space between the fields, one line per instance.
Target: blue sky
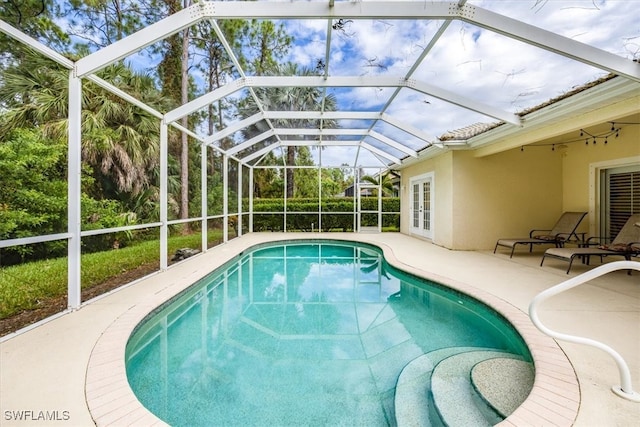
pixel 469 61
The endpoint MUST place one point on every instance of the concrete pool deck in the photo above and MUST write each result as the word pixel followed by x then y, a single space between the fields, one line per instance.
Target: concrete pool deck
pixel 74 362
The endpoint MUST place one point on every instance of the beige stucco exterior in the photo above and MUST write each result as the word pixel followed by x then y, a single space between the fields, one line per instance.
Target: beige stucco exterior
pixel 527 179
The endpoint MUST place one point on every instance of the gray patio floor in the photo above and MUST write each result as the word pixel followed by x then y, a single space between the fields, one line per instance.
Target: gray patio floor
pixel 45 368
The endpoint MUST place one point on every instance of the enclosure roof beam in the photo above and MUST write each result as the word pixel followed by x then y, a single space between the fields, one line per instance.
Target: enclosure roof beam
pixel 139 40
pixel 358 10
pixel 412 130
pixel 260 152
pixel 338 81
pixel 484 18
pixel 204 100
pixel 35 45
pixel 551 41
pixel 234 127
pixel 464 102
pixel 248 143
pixel 122 94
pixel 380 153
pixel 390 142
pixel 319 132
pixel 318 143
pixel 327 115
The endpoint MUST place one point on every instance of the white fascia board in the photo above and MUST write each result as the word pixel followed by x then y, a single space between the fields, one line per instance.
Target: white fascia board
pixel 248 143
pixel 140 39
pixel 260 152
pixel 35 45
pixel 462 101
pixel 412 130
pixel 327 115
pixel 380 153
pixel 204 100
pixel 122 94
pixel 551 41
pixel 390 142
pixel 234 127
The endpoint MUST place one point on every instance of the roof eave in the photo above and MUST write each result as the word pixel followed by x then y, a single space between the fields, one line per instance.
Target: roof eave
pixel 503 137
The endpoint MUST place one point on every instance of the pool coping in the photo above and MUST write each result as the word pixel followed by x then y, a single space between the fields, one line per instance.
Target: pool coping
pixel 553 400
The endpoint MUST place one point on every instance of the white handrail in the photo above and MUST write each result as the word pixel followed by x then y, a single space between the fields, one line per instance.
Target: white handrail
pixel 625 390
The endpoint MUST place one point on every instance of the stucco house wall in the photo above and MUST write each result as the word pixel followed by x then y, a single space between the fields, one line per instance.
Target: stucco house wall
pixel 506 187
pixel 581 166
pixel 504 195
pixel 442 167
pixel 478 200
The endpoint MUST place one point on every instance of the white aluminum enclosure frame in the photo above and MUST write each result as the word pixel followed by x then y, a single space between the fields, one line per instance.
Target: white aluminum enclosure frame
pixel 330 10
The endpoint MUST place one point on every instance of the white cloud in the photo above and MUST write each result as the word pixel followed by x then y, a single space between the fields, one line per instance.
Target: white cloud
pixel 468 61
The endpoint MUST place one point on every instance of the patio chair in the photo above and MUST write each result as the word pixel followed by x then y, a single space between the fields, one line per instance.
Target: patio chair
pixel 626 244
pixel 563 231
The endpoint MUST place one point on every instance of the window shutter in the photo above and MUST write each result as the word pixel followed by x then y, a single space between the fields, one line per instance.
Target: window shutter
pixel 624 199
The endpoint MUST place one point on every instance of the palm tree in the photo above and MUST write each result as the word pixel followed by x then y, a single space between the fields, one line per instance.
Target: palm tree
pixel 120 141
pixel 291 99
pixel 386 183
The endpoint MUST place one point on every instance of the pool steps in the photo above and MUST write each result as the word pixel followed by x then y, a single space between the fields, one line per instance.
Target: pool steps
pixel 446 375
pixel 503 383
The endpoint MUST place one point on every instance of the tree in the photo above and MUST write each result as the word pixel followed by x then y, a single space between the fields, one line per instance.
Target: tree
pixel 33 200
pixel 267 44
pixel 120 141
pixel 100 23
pixel 290 99
pixel 173 72
pixel 35 18
pixel 385 181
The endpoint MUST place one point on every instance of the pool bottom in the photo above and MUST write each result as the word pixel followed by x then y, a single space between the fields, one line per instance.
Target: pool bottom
pixel 110 399
pixel 282 336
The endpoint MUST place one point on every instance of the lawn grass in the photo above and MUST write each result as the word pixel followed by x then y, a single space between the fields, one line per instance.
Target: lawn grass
pixel 25 286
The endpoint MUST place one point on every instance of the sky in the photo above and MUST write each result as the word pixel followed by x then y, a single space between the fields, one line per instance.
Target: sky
pixel 468 61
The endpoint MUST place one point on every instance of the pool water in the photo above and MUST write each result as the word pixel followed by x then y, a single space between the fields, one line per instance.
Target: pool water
pixel 300 333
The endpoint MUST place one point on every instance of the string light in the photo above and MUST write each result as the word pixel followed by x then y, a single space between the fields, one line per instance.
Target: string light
pixel 586 137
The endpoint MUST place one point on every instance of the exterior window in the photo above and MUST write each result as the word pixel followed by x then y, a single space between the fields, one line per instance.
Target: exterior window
pixel 620 198
pixel 416 205
pixel 427 205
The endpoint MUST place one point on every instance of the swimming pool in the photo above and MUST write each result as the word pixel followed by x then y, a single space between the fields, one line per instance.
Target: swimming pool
pixel 301 333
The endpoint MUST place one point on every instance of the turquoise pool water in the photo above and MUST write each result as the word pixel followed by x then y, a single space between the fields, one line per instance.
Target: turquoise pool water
pixel 299 333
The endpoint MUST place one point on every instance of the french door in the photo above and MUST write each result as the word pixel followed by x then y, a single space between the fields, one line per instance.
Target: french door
pixel 421 210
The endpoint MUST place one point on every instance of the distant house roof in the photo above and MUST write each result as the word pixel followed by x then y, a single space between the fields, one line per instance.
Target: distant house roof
pixel 476 129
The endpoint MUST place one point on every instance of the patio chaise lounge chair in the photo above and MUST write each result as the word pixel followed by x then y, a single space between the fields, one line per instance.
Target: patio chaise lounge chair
pixel 562 232
pixel 626 244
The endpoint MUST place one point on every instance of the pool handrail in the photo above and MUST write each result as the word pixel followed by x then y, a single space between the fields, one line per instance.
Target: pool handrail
pixel 625 390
